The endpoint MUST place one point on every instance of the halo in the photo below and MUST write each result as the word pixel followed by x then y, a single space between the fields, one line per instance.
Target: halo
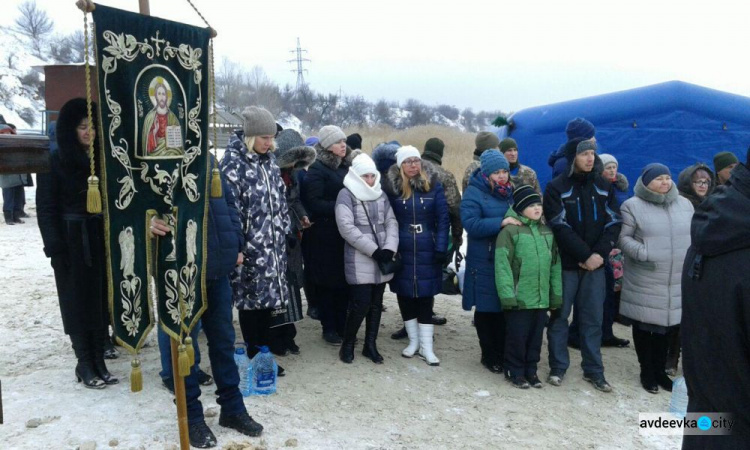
pixel 152 90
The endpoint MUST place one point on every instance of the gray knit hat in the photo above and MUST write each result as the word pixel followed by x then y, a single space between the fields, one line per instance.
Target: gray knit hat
pixel 586 145
pixel 258 122
pixel 329 135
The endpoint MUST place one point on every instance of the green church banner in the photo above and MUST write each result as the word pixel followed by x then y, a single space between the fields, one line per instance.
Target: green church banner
pixel 153 107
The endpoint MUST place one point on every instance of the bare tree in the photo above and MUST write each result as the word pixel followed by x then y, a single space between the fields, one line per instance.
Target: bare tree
pixel 34 23
pixel 469 119
pixel 420 113
pixel 69 48
pixel 381 113
pixel 354 111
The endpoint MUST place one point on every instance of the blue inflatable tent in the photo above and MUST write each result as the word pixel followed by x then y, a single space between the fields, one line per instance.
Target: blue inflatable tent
pixel 674 123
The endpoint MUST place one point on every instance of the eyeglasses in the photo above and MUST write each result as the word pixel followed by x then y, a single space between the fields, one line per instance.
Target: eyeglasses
pixel 702 183
pixel 413 162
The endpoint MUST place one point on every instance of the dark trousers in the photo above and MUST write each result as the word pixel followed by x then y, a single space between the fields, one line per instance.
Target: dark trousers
pixel 217 324
pixel 611 309
pixel 255 326
pixel 419 308
pixel 332 304
pixel 282 336
pixel 14 199
pixel 651 349
pixel 364 296
pixel 310 292
pixel 523 340
pixel 491 330
pixel 673 348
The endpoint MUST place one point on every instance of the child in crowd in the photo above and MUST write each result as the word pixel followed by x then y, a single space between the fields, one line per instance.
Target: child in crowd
pixel 528 277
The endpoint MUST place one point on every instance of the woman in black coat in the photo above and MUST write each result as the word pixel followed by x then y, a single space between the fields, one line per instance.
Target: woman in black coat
pixel 74 241
pixel 322 245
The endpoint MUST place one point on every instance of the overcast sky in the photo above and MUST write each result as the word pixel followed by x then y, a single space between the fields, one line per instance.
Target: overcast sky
pixel 487 55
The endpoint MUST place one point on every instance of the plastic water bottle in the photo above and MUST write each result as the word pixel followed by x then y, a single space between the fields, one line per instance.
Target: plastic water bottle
pixel 679 401
pixel 243 367
pixel 264 371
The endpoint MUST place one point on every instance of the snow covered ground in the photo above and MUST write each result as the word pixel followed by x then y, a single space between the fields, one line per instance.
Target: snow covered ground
pixel 321 403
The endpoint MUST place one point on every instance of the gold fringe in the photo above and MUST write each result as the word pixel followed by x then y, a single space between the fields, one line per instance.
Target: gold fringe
pixel 183 364
pixel 93 196
pixel 215 183
pixel 190 350
pixel 136 377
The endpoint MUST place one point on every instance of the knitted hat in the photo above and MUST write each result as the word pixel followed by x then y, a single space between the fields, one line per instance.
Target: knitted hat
pixel 525 196
pixel 507 144
pixel 258 122
pixel 363 164
pixel 291 151
pixel 329 135
pixel 653 170
pixel 405 153
pixel 288 139
pixel 608 159
pixel 580 127
pixel 354 141
pixel 312 140
pixel 486 140
pixel 492 160
pixel 433 150
pixel 723 160
pixel 585 145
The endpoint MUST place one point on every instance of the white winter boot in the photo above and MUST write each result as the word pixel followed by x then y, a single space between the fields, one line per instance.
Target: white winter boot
pixel 426 332
pixel 412 330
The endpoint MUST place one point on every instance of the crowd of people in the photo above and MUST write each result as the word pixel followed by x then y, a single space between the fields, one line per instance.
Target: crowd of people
pixel 321 215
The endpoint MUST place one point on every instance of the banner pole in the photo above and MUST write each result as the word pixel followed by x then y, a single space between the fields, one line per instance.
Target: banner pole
pixel 179 393
pixel 144 7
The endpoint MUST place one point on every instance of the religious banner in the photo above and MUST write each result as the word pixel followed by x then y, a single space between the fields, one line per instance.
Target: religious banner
pixel 154 99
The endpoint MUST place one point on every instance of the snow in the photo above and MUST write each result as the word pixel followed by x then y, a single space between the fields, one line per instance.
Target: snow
pixel 321 403
pixel 15 62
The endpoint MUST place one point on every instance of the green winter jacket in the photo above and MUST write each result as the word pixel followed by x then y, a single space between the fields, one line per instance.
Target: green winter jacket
pixel 528 272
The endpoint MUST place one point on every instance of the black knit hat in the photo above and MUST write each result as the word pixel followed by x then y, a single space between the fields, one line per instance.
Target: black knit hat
pixel 523 197
pixel 354 141
pixel 433 150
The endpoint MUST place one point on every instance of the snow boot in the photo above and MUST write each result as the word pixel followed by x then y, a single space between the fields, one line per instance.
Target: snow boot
pixel 412 330
pixel 426 332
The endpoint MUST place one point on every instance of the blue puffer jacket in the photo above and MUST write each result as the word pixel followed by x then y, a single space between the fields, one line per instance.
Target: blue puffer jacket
pixel 427 213
pixel 225 239
pixel 482 213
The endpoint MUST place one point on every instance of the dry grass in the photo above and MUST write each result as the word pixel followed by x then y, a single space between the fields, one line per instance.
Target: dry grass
pixel 459 146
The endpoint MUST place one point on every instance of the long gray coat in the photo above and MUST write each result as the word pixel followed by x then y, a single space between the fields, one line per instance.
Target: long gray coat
pixel 655 237
pixel 359 267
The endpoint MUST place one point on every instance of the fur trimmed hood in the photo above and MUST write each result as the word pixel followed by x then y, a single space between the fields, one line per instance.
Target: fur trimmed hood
pixel 621 183
pixel 295 157
pixel 644 193
pixel 392 182
pixel 332 161
pixel 384 156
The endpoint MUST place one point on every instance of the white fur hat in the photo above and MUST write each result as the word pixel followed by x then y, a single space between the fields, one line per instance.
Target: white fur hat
pixel 406 152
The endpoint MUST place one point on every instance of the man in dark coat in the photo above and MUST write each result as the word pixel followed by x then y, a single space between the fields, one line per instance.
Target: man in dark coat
pixel 225 241
pixel 716 311
pixel 581 209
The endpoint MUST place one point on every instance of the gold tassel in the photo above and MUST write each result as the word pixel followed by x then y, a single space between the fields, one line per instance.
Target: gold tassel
pixel 190 350
pixel 183 365
pixel 136 377
pixel 215 183
pixel 93 196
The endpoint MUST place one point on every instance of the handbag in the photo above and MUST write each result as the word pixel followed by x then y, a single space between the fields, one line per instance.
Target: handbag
pixel 387 267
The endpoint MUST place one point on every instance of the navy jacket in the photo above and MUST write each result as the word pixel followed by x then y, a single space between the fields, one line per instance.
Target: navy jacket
pixel 224 235
pixel 482 213
pixel 423 225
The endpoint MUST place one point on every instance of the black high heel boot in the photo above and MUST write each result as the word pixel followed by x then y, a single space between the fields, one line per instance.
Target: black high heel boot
pixel 99 342
pixel 372 326
pixel 354 320
pixel 85 372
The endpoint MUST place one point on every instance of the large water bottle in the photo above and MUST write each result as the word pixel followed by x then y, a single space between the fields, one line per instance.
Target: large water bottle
pixel 264 371
pixel 243 367
pixel 679 401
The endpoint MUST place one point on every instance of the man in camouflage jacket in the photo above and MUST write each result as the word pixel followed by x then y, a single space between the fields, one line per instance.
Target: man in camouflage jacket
pixel 519 174
pixel 484 140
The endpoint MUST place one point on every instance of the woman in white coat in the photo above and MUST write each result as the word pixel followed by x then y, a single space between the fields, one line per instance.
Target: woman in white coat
pixel 655 237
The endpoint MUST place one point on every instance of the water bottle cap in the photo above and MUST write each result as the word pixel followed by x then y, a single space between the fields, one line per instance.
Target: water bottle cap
pixel 264 349
pixel 239 351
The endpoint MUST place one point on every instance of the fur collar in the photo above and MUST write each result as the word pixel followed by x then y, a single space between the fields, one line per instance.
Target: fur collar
pixel 295 157
pixel 621 183
pixel 393 178
pixel 644 193
pixel 332 161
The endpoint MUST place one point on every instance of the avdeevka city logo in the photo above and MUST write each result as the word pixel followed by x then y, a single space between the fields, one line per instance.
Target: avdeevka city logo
pixel 704 423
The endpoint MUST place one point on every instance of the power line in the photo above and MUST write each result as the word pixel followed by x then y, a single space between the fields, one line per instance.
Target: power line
pixel 300 70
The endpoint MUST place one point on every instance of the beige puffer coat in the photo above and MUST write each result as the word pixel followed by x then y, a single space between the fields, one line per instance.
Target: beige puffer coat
pixel 655 237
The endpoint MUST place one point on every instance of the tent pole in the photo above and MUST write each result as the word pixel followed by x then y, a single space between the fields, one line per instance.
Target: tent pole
pixel 179 392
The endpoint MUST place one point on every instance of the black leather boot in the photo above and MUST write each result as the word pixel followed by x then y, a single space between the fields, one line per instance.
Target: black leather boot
pixel 99 341
pixel 644 349
pixel 354 319
pixel 400 334
pixel 659 361
pixel 85 371
pixel 372 326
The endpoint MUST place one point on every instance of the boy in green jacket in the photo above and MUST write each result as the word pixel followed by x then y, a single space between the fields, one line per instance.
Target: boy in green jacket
pixel 528 277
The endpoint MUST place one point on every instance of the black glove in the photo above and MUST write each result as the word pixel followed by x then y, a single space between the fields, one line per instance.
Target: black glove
pixel 439 257
pixel 381 255
pixel 388 255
